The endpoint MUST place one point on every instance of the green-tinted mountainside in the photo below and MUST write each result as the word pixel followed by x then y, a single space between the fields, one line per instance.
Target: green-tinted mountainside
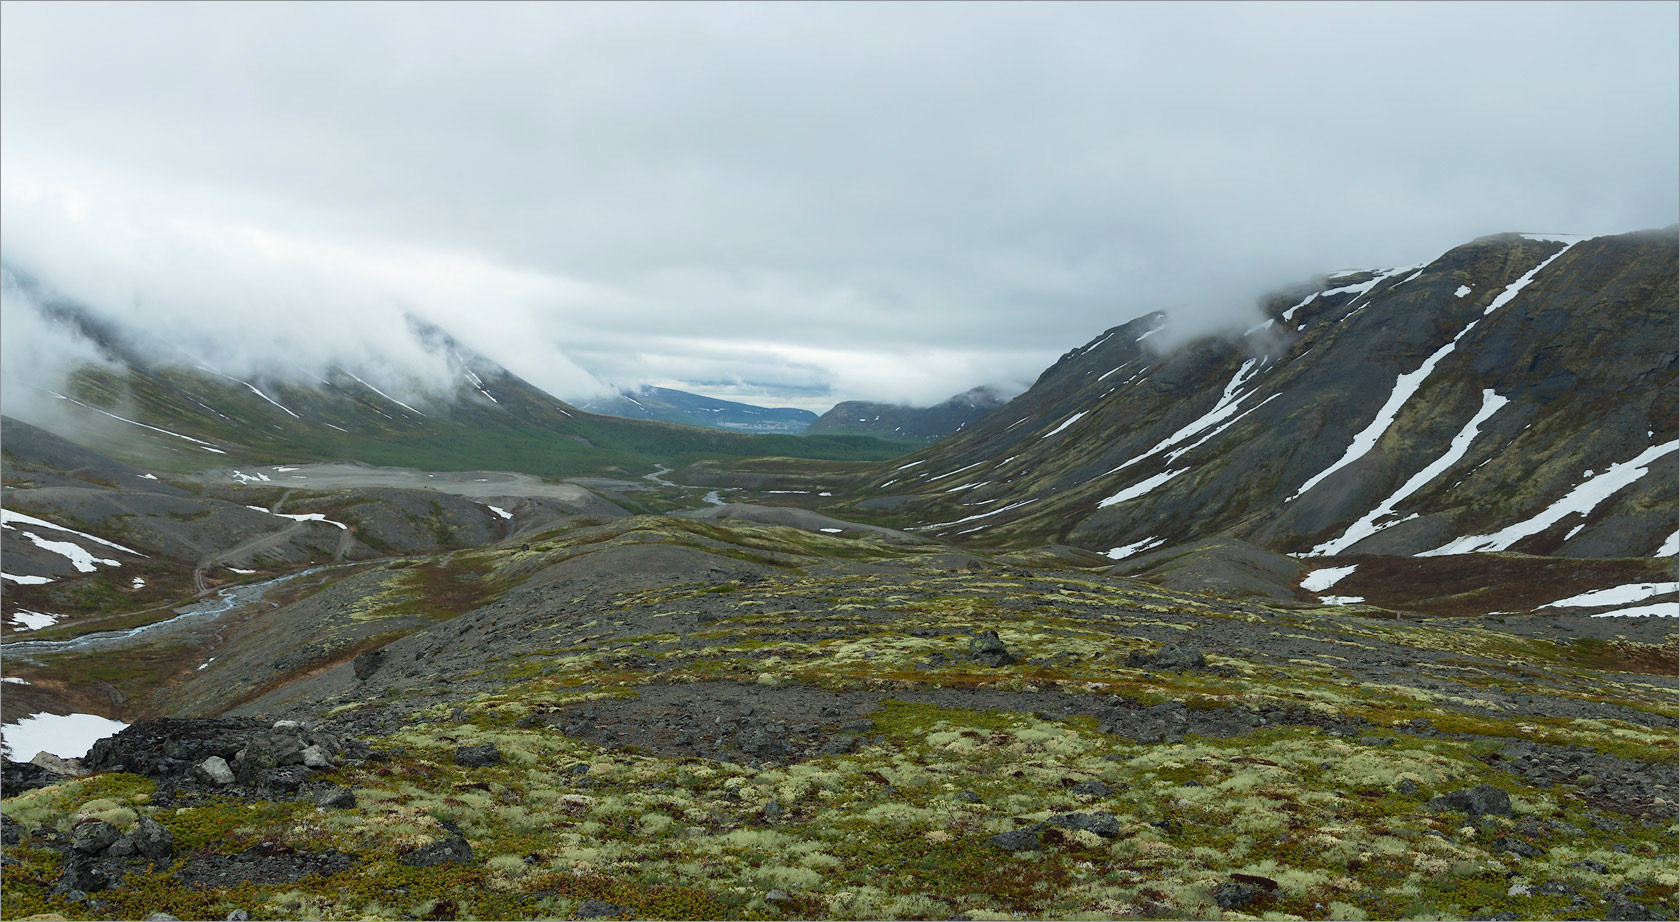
pixel 180 415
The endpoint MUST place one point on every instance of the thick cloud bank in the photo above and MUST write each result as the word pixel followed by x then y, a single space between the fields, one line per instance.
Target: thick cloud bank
pixel 793 204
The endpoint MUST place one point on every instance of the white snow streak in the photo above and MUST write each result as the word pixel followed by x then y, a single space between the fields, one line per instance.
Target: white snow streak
pixel 26 580
pixel 1367 524
pixel 7 517
pixel 1670 547
pixel 1581 500
pixel 1657 610
pixel 1462 291
pixel 1068 422
pixel 386 396
pixel 1289 315
pixel 499 511
pixel 1140 488
pixel 1124 551
pixel 303 517
pixel 1227 405
pixel 206 445
pixel 1320 580
pixel 1515 288
pixel 1176 453
pixel 1615 595
pixel 75 553
pixel 1341 599
pixel 971 518
pixel 264 396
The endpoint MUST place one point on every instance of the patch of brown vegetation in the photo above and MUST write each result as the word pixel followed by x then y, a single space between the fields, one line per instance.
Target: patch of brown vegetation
pixel 1467 585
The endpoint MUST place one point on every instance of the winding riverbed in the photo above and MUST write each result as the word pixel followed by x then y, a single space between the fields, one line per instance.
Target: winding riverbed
pixel 201 618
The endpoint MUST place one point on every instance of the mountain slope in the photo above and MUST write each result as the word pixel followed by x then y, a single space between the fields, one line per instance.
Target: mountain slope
pixel 859 417
pixel 674 406
pixel 1516 393
pixel 178 413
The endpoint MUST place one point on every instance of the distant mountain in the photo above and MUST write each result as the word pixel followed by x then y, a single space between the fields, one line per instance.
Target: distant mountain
pixel 857 417
pixel 674 406
pixel 1518 393
pixel 173 412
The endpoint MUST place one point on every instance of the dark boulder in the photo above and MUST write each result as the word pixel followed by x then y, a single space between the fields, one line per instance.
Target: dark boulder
pixel 478 756
pixel 1234 895
pixel 1170 656
pixel 987 649
pixel 453 850
pixel 152 840
pixel 95 837
pixel 1481 800
pixel 1092 788
pixel 1103 824
pixel 336 797
pixel 367 664
pixel 1025 839
pixel 82 872
pixel 17 777
pixel 1622 910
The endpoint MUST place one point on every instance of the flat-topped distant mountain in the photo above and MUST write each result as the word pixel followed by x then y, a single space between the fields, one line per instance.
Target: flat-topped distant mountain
pixel 674 406
pixel 927 424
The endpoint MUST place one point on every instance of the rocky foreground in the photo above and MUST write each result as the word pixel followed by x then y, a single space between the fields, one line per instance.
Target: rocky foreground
pixel 668 718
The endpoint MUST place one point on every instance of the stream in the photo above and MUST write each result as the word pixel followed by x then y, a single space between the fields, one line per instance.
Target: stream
pixel 194 616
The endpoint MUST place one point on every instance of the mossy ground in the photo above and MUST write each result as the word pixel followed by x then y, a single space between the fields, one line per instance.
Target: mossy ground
pixel 1332 804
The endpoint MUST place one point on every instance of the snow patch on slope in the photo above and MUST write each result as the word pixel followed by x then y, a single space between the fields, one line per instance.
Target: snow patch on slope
pixel 68 736
pixel 1581 500
pixel 1320 580
pixel 1140 488
pixel 1124 551
pixel 1615 595
pixel 9 517
pixel 78 557
pixel 1066 423
pixel 1368 525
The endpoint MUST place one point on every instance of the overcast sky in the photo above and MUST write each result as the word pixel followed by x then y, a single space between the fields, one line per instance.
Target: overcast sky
pixel 791 204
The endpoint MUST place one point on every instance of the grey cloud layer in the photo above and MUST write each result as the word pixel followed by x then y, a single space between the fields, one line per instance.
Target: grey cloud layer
pixel 895 201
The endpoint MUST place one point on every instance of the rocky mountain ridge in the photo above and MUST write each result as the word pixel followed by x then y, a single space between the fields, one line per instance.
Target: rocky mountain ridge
pixel 1517 393
pixel 927 424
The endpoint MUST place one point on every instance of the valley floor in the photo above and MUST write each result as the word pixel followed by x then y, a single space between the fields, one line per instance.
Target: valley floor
pixel 674 717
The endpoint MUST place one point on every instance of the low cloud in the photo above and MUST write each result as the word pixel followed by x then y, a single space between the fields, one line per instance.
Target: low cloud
pixel 889 202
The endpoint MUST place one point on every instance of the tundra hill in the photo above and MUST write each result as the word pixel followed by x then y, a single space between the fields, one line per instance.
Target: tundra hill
pixel 672 717
pixel 926 424
pixel 178 414
pixel 1518 393
pixel 674 406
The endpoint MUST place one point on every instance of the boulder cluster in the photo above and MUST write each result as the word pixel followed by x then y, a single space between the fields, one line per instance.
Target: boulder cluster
pixel 190 759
